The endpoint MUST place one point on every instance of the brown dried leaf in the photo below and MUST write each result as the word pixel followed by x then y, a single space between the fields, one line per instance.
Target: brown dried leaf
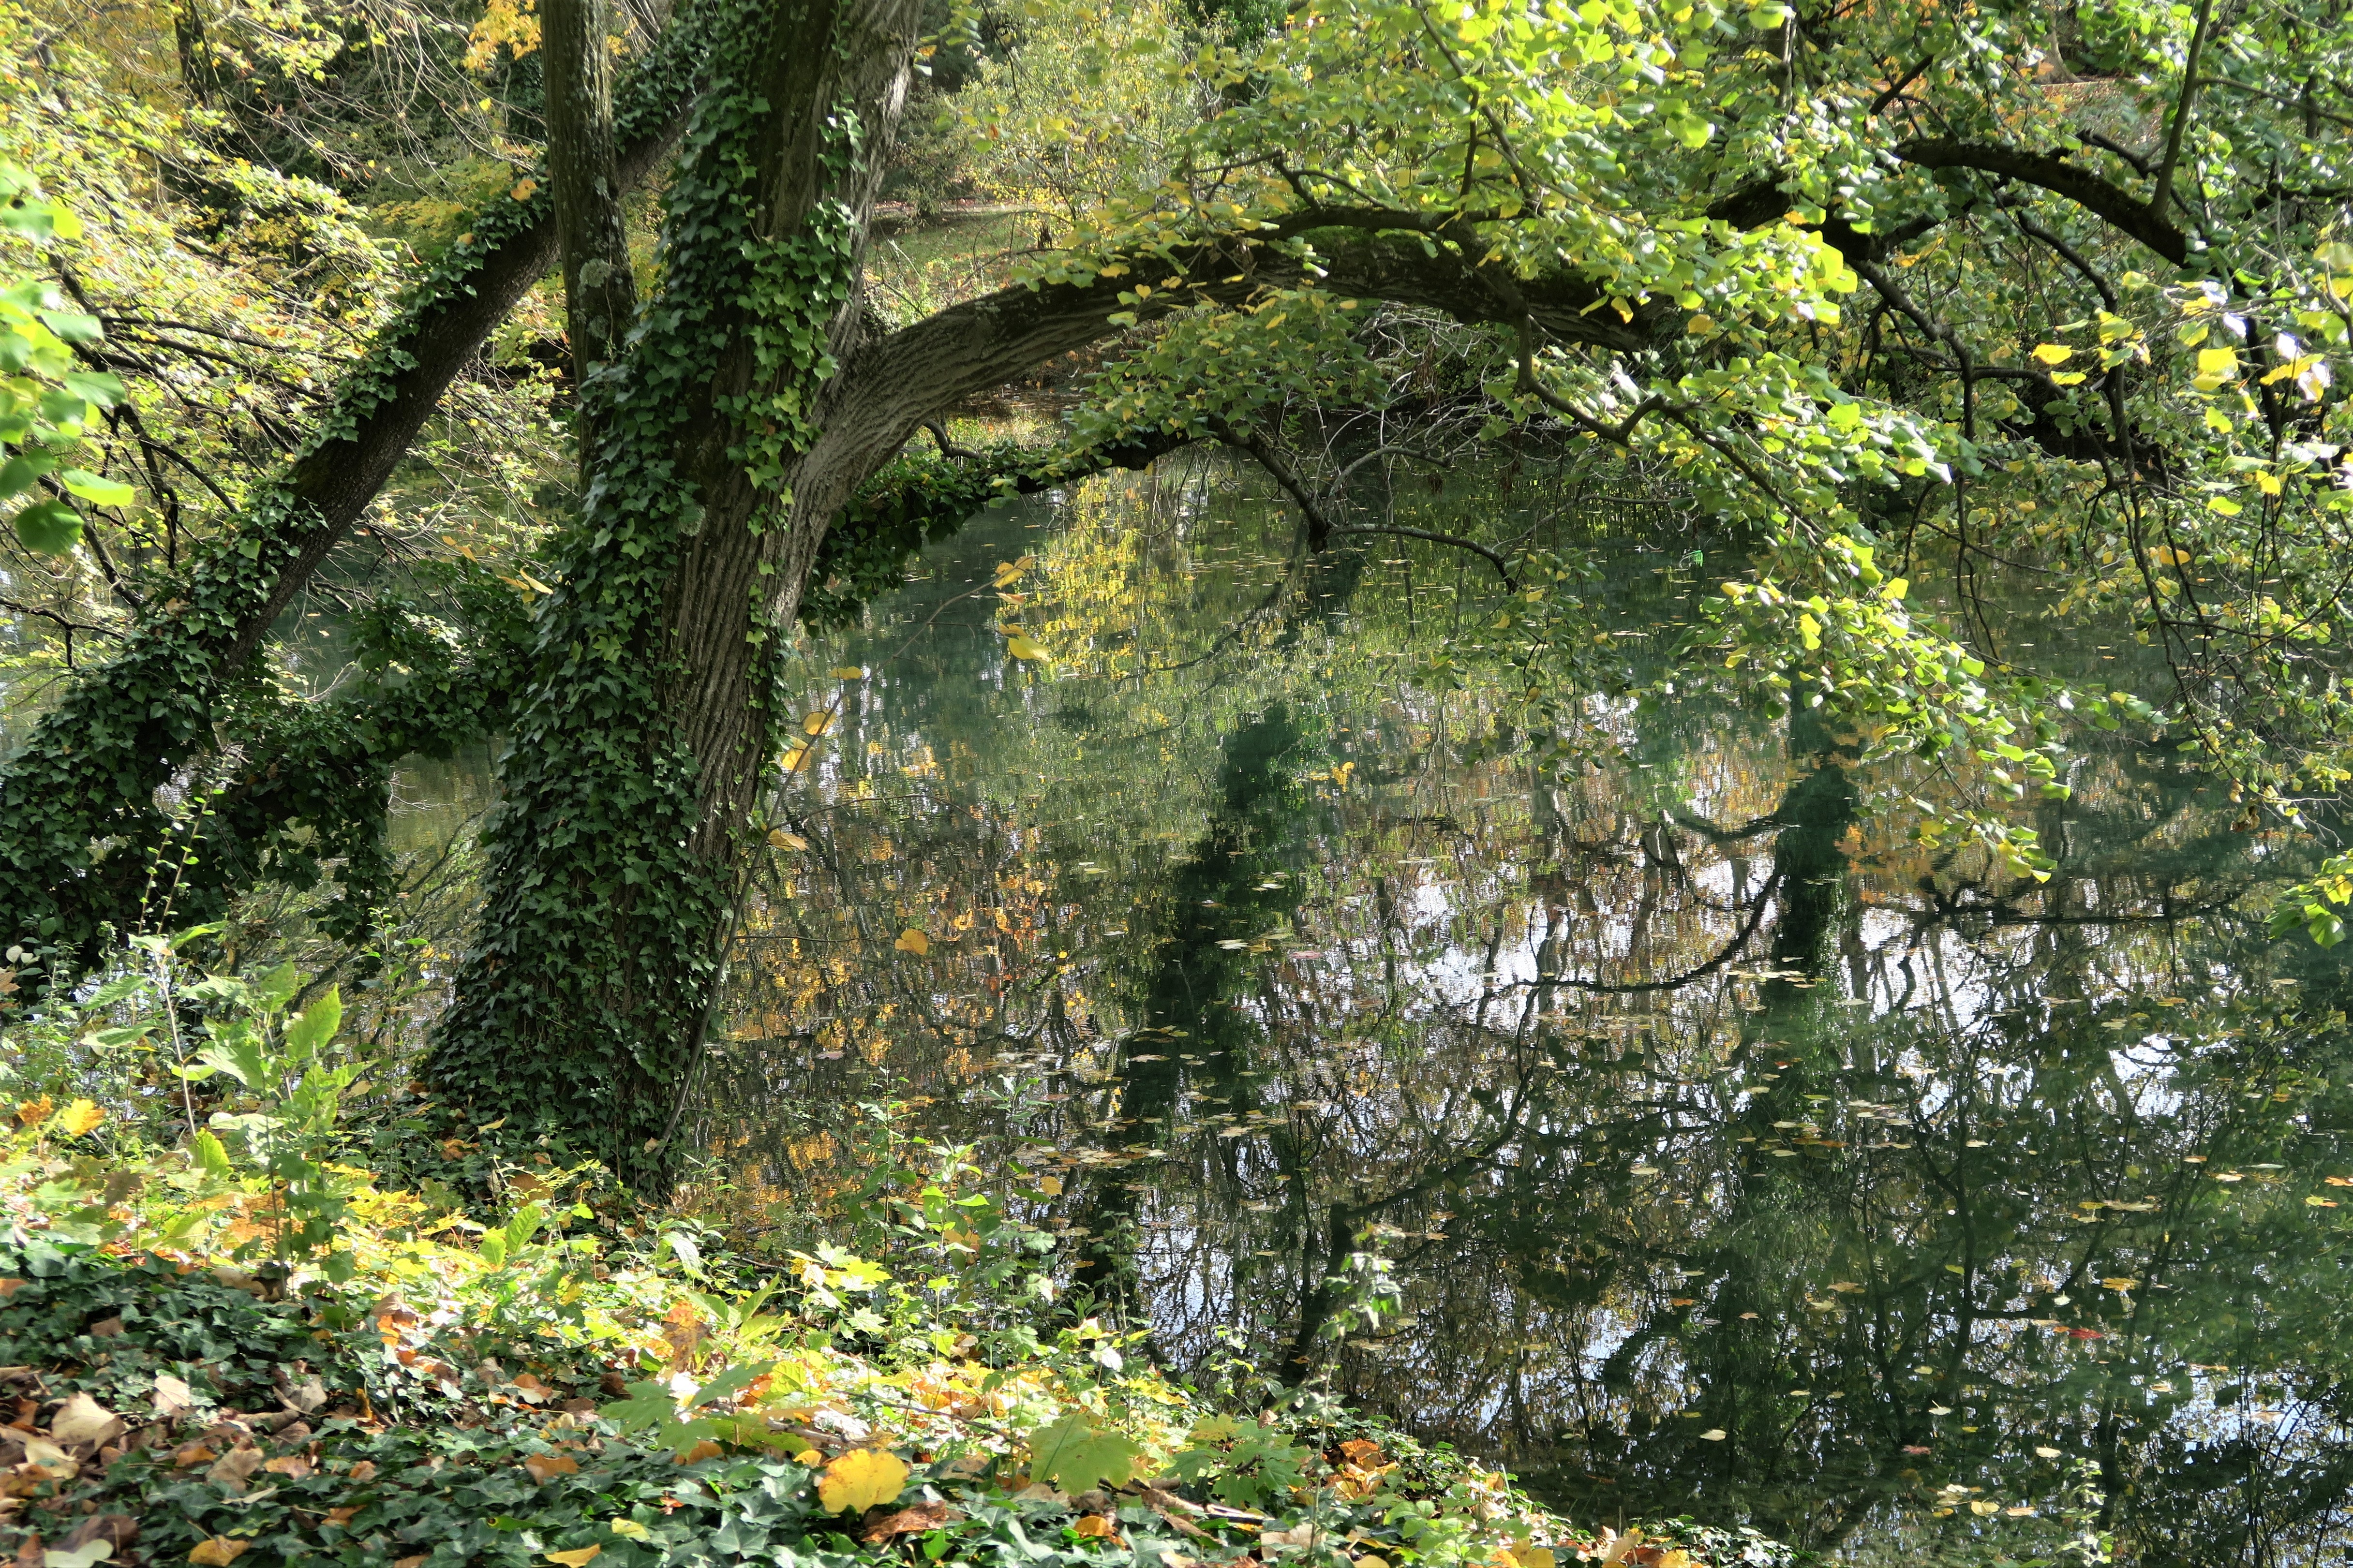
pixel 173 1398
pixel 232 1469
pixel 83 1423
pixel 908 1522
pixel 543 1466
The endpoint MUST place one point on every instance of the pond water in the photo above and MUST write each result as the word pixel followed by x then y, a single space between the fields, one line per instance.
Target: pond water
pixel 1736 1154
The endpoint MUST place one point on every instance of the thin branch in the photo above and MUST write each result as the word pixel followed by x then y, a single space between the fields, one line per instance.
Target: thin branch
pixel 2181 117
pixel 1453 541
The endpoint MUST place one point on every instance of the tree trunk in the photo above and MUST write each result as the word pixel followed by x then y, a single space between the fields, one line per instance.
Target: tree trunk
pixel 90 771
pixel 600 292
pixel 633 773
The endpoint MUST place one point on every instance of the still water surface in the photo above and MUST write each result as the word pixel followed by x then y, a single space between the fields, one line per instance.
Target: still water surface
pixel 1739 1156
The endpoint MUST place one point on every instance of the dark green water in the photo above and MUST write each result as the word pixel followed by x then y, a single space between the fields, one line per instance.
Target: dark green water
pixel 1737 1155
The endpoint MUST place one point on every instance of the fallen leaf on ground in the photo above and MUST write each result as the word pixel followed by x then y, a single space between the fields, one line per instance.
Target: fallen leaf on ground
pixel 173 1398
pixel 220 1551
pixel 860 1479
pixel 230 1471
pixel 542 1466
pixel 1096 1526
pixel 293 1466
pixel 575 1557
pixel 908 1522
pixel 82 1422
pixel 706 1449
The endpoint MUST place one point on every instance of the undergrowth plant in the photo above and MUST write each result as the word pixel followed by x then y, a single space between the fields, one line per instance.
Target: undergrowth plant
pixel 243 1342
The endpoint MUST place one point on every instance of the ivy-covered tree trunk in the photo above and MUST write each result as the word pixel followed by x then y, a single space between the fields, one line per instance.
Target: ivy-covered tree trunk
pixel 79 821
pixel 633 774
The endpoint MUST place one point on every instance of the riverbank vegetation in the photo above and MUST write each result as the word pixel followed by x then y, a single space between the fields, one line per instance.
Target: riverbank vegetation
pixel 394 385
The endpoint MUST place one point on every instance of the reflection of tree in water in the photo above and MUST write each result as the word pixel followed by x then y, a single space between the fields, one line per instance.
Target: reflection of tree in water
pixel 1607 1065
pixel 1229 891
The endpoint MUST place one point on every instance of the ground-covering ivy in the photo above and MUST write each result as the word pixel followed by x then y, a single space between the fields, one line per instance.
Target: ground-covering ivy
pixel 570 1382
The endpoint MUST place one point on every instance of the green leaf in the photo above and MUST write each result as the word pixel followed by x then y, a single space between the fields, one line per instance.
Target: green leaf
pixel 732 1381
pixel 95 489
pixel 311 1030
pixel 213 1156
pixel 50 527
pixel 97 386
pixel 19 472
pixel 1077 1457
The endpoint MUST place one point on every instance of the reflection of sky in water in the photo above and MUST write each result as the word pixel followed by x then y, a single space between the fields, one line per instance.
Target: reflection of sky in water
pixel 1370 979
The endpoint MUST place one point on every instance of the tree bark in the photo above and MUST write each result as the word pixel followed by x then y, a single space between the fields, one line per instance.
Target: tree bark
pixel 601 291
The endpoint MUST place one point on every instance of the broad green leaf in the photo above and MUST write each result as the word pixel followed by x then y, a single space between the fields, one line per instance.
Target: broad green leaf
pixel 1078 1457
pixel 50 527
pixel 95 489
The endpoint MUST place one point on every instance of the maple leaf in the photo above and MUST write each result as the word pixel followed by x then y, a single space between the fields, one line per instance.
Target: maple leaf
pixel 79 1118
pixel 1078 1459
pixel 860 1479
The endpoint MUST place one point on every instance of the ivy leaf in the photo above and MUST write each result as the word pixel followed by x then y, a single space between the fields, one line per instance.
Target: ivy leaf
pixel 1079 1458
pixel 860 1479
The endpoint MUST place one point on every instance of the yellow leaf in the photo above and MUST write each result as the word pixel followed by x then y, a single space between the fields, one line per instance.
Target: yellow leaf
pixel 220 1551
pixel 807 1456
pixel 630 1528
pixel 850 672
pixel 815 723
pixel 576 1557
pixel 1023 647
pixel 1050 1186
pixel 2268 483
pixel 2054 353
pixel 525 189
pixel 914 941
pixel 2120 1284
pixel 860 1479
pixel 781 839
pixel 2218 362
pixel 1531 1556
pixel 79 1118
pixel 1095 1525
pixel 33 1112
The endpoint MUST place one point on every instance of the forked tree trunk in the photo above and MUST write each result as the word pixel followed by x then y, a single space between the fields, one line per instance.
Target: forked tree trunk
pixel 631 779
